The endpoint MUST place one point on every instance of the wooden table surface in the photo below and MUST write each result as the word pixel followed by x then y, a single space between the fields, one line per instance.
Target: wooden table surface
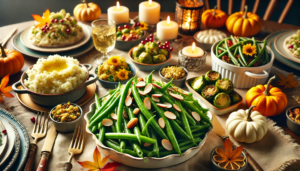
pixel 268 27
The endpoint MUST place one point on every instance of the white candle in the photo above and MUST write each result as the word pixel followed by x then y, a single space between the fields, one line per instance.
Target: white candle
pixel 149 12
pixel 192 51
pixel 167 30
pixel 119 14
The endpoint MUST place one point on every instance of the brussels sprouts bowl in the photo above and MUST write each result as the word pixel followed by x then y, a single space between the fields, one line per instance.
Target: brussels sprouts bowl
pixel 147 66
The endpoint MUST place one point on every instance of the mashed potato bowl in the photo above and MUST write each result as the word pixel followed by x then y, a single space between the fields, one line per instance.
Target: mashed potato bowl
pixel 54 88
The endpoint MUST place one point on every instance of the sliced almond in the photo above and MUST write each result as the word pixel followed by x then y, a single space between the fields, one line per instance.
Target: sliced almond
pixel 136 111
pixel 162 105
pixel 176 107
pixel 156 85
pixel 141 93
pixel 168 104
pixel 125 115
pixel 148 88
pixel 140 79
pixel 147 144
pixel 156 99
pixel 171 89
pixel 196 116
pixel 147 103
pixel 161 123
pixel 114 116
pixel 132 123
pixel 107 122
pixel 140 84
pixel 167 144
pixel 129 92
pixel 156 95
pixel 170 115
pixel 176 96
pixel 128 101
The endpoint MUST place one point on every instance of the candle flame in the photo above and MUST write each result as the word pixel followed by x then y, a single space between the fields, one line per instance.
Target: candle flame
pixel 189 19
pixel 118 5
pixel 150 2
pixel 193 47
pixel 168 20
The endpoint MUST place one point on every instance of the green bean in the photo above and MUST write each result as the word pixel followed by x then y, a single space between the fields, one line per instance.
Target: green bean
pixel 200 128
pixel 233 59
pixel 136 129
pixel 99 125
pixel 155 145
pixel 267 55
pixel 166 86
pixel 149 78
pixel 183 143
pixel 194 108
pixel 178 121
pixel 129 137
pixel 142 122
pixel 97 100
pixel 146 113
pixel 94 128
pixel 169 129
pixel 258 56
pixel 147 125
pixel 223 49
pixel 117 148
pixel 241 62
pixel 242 55
pixel 233 46
pixel 235 51
pixel 179 130
pixel 101 133
pixel 199 134
pixel 152 154
pixel 217 47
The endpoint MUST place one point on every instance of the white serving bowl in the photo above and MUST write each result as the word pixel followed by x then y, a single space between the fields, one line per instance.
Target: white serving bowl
pixel 242 77
pixel 151 162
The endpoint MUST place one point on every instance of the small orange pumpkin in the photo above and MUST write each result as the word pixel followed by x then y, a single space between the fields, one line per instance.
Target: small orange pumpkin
pixel 214 18
pixel 87 11
pixel 269 100
pixel 244 23
pixel 11 61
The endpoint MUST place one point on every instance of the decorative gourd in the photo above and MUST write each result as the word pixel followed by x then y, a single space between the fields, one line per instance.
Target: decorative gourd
pixel 247 126
pixel 269 100
pixel 11 61
pixel 244 23
pixel 87 11
pixel 214 18
pixel 210 36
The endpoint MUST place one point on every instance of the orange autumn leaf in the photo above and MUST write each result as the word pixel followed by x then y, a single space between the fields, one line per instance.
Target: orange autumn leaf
pixel 98 163
pixel 287 82
pixel 229 159
pixel 5 90
pixel 42 21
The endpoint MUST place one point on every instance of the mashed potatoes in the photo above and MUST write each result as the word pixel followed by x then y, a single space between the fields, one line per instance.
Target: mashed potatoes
pixel 55 75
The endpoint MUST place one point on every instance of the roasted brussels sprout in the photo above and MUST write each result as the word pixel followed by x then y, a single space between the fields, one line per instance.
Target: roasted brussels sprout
pixel 159 58
pixel 137 51
pixel 152 48
pixel 145 58
pixel 164 52
pixel 235 97
pixel 224 85
pixel 222 100
pixel 212 76
pixel 209 92
pixel 199 83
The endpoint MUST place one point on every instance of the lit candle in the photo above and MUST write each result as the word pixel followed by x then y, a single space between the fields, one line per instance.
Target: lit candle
pixel 119 14
pixel 149 12
pixel 167 30
pixel 192 51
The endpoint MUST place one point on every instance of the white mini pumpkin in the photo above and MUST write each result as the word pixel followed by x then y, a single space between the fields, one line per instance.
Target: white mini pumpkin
pixel 247 126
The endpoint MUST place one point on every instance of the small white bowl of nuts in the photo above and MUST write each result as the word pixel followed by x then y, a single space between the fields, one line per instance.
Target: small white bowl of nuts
pixel 66 116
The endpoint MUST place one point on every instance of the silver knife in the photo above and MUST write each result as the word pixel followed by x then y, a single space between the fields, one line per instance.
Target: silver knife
pixel 47 148
pixel 9 36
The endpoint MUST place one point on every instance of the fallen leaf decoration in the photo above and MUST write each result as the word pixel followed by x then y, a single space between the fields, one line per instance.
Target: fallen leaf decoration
pixel 99 163
pixel 287 82
pixel 42 21
pixel 5 90
pixel 229 159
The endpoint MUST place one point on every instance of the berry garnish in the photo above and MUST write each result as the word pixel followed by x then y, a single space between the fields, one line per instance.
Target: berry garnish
pixel 151 39
pixel 52 20
pixel 62 20
pixel 291 47
pixel 68 30
pixel 164 47
pixel 134 25
pixel 4 131
pixel 56 20
pixel 138 24
pixel 147 40
pixel 32 119
pixel 167 46
pixel 158 43
pixel 160 46
pixel 167 42
pixel 151 35
pixel 120 28
pixel 123 37
pixel 171 49
pixel 126 26
pixel 143 42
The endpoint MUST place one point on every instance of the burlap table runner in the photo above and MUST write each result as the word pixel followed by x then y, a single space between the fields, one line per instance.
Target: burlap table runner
pixel 276 151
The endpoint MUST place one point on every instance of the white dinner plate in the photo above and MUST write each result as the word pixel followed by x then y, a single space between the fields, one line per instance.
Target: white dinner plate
pixel 279 46
pixel 11 140
pixel 4 140
pixel 26 42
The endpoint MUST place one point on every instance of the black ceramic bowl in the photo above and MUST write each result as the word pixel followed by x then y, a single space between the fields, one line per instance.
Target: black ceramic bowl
pixel 127 45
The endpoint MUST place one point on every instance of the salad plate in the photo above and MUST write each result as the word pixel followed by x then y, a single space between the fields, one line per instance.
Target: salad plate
pixel 3 140
pixel 26 42
pixel 279 44
pixel 13 145
pixel 21 149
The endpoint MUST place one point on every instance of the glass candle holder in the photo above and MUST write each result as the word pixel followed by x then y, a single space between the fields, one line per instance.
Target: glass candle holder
pixel 188 16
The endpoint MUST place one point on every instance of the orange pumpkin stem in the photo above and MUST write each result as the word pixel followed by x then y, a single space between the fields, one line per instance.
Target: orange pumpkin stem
pixel 215 8
pixel 2 55
pixel 84 1
pixel 266 92
pixel 246 10
pixel 249 113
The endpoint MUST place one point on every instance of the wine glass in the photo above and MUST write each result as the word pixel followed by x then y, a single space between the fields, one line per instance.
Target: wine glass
pixel 104 38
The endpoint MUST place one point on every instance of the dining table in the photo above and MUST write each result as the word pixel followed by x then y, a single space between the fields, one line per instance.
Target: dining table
pixel 279 160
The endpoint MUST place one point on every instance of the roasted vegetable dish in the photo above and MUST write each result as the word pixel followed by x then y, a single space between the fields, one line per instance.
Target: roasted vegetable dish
pixel 147 118
pixel 295 115
pixel 129 33
pixel 173 72
pixel 218 91
pixel 65 112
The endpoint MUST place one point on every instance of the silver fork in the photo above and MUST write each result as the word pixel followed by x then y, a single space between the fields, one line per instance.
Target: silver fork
pixel 39 131
pixel 76 146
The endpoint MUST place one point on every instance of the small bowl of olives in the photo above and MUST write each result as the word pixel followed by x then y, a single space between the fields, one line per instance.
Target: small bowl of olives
pixel 128 35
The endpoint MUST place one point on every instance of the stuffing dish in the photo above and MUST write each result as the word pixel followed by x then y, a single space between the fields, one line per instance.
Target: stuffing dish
pixel 173 72
pixel 65 112
pixel 292 44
